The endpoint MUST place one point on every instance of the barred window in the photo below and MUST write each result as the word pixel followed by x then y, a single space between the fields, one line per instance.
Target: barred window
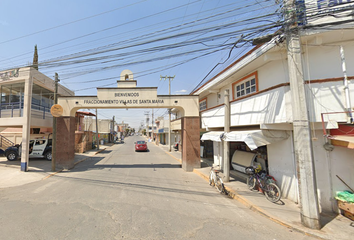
pixel 203 105
pixel 245 88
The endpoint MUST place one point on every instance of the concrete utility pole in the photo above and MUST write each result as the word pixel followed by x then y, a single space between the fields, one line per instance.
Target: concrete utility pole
pixel 147 122
pixel 54 139
pixel 152 125
pixel 169 110
pixel 301 125
pixel 113 121
pixel 26 127
pixel 226 130
pixel 97 140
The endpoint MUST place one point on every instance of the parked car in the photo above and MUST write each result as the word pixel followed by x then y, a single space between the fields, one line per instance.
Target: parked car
pixel 37 148
pixel 141 146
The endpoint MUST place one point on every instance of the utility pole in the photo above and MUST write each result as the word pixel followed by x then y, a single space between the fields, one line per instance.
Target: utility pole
pixel 147 122
pixel 301 126
pixel 226 130
pixel 169 110
pixel 54 139
pixel 152 124
pixel 97 140
pixel 113 121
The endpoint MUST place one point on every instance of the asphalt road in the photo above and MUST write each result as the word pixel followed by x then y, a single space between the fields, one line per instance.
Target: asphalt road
pixel 121 194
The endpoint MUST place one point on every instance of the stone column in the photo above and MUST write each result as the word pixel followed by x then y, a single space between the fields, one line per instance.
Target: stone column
pixel 65 142
pixel 190 143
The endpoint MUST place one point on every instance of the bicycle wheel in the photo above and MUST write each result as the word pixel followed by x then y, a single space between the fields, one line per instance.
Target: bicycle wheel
pixel 211 179
pixel 219 184
pixel 272 192
pixel 251 183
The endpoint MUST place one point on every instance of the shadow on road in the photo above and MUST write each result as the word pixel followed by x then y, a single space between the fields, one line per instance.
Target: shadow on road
pixel 93 163
pixel 137 186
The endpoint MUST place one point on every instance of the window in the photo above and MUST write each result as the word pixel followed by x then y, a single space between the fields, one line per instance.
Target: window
pixel 203 104
pixel 245 86
pixel 36 130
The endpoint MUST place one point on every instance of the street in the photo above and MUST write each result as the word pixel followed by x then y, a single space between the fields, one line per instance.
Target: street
pixel 123 194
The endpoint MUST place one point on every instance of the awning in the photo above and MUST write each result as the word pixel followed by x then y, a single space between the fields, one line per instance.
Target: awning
pixel 256 138
pixel 343 140
pixel 212 136
pixel 85 113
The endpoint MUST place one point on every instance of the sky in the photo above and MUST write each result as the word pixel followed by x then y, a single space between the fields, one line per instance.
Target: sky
pixel 89 43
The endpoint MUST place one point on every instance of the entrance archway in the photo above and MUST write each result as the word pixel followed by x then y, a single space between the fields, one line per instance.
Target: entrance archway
pixel 127 95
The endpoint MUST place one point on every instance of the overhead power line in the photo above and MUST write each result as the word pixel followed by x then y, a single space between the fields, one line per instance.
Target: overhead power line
pixel 72 22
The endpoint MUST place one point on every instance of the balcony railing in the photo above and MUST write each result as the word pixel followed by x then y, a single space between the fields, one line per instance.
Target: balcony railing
pixel 15 109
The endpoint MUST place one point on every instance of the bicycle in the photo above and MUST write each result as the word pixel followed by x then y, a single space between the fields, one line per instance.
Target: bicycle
pixel 215 180
pixel 265 182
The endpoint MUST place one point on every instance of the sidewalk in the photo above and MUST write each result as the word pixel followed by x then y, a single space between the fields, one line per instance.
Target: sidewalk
pixel 39 169
pixel 285 212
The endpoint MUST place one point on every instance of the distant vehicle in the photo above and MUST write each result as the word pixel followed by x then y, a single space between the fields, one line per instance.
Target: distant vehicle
pixel 141 146
pixel 175 146
pixel 37 148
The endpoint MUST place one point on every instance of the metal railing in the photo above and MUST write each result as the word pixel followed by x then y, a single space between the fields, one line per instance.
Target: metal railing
pixel 5 143
pixel 15 110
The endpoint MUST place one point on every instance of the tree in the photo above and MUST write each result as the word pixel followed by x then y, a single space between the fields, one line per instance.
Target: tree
pixel 35 58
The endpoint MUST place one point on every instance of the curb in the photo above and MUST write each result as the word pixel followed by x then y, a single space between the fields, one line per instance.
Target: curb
pixel 234 195
pixel 84 159
pixel 179 160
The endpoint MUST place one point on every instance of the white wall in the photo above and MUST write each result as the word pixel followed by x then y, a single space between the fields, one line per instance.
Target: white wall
pixel 328 97
pixel 218 153
pixel 274 106
pixel 273 73
pixel 322 170
pixel 325 62
pixel 212 100
pixel 281 166
pixel 339 162
pixel 268 107
pixel 213 118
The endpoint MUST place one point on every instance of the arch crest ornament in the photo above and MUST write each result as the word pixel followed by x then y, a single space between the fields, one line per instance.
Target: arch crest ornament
pixel 126 75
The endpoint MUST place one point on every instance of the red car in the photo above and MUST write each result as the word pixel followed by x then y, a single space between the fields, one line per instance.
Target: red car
pixel 141 146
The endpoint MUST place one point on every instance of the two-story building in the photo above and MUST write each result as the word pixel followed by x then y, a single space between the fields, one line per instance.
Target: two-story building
pixel 261 114
pixel 26 100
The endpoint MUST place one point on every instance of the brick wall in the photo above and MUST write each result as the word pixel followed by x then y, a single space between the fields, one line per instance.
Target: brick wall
pixel 83 141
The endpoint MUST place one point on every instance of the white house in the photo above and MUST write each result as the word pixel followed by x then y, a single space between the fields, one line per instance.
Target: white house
pixel 260 99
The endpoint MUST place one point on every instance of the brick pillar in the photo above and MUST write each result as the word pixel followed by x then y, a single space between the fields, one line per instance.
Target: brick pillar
pixel 190 143
pixel 65 142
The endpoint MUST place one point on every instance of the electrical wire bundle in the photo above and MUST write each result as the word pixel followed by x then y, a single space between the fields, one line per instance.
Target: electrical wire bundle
pixel 166 44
